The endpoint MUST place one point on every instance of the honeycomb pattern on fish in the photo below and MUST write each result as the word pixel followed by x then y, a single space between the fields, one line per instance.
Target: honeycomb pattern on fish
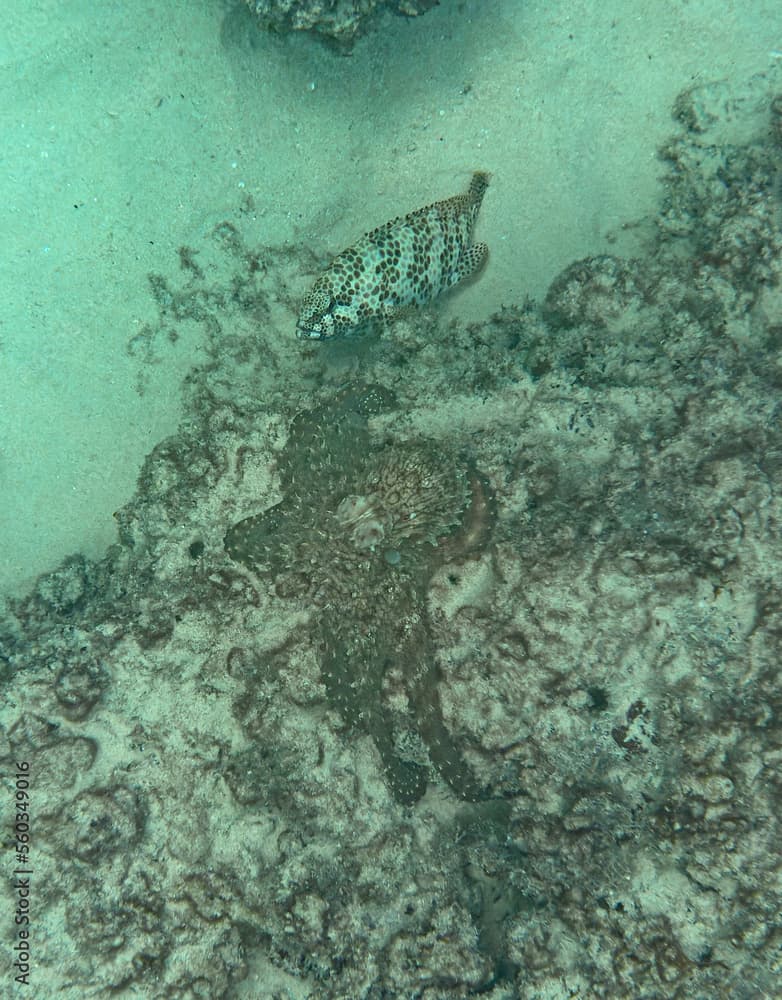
pixel 408 261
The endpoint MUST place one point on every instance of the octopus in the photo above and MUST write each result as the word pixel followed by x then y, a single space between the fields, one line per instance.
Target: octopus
pixel 406 262
pixel 357 537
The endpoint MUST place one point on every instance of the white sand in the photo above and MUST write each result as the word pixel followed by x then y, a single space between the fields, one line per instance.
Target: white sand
pixel 131 129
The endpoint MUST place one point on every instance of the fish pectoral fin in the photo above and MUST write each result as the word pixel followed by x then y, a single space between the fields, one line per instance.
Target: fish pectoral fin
pixel 471 259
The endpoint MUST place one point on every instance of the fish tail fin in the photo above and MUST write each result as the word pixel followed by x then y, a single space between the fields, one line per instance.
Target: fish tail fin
pixel 478 184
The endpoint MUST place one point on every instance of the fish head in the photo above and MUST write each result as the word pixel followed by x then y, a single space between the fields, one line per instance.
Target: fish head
pixel 321 316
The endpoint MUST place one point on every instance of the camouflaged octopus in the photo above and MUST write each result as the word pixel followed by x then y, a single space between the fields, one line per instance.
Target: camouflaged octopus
pixel 357 536
pixel 407 262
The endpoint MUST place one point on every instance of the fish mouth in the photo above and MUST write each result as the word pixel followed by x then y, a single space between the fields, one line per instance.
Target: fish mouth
pixel 304 332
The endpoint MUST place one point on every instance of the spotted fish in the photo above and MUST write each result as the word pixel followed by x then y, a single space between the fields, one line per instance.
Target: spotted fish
pixel 408 261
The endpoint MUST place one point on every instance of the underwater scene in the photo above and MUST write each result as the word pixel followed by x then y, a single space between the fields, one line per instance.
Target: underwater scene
pixel 391 547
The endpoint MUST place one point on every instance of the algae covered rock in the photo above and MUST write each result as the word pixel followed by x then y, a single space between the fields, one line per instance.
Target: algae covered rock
pixel 334 20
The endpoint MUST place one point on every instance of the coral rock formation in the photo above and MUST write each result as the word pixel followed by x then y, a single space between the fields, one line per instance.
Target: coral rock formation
pixel 334 20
